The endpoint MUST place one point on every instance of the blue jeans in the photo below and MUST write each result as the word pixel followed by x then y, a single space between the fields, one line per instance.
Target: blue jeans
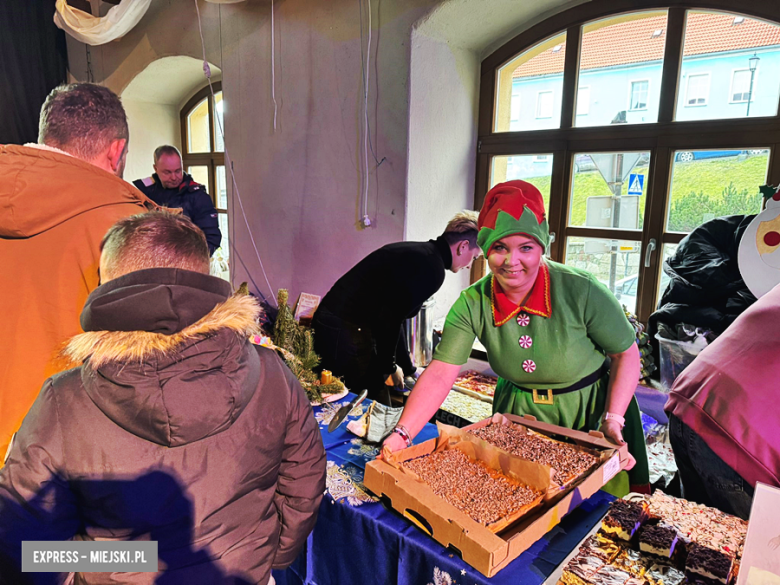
pixel 706 479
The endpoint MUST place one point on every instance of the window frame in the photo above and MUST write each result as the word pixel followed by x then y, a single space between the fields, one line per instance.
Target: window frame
pixel 211 159
pixel 539 95
pixel 731 85
pixel 660 138
pixel 577 107
pixel 631 84
pixel 708 75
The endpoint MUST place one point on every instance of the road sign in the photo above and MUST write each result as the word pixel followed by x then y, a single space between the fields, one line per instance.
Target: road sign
pixel 636 184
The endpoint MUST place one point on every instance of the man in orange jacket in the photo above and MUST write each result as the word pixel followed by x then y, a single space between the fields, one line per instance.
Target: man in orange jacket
pixel 58 199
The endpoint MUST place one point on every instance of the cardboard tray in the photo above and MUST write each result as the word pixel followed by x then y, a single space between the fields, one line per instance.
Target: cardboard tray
pixel 479 547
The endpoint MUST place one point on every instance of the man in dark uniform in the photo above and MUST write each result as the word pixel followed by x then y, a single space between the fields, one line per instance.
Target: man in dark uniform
pixel 171 187
pixel 358 327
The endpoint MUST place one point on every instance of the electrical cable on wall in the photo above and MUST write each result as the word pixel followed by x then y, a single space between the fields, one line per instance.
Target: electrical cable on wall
pixel 366 70
pixel 273 64
pixel 228 163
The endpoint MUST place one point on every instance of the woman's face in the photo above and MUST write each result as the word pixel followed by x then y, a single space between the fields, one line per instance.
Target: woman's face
pixel 515 260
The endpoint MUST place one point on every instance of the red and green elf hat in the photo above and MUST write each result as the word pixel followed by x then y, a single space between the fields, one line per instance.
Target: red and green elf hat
pixel 514 207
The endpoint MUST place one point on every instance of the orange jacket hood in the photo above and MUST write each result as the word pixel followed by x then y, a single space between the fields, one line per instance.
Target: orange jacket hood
pixel 29 206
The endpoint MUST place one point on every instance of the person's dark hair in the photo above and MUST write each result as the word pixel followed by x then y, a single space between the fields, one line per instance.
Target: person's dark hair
pixel 82 119
pixel 462 227
pixel 157 239
pixel 165 150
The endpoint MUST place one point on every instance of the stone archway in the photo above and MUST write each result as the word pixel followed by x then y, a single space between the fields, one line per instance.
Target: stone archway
pixel 153 100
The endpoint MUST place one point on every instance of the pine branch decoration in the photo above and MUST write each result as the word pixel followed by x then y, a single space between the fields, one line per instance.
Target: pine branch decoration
pixel 295 343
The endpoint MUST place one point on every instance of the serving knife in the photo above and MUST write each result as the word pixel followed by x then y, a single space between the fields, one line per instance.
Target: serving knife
pixel 345 410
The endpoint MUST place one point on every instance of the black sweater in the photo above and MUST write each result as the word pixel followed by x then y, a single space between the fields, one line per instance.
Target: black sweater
pixel 387 287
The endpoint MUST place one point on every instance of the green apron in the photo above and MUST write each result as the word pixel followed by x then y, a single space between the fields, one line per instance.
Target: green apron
pixel 582 410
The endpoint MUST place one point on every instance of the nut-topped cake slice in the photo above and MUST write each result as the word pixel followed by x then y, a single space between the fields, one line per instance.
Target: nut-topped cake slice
pixel 658 540
pixel 708 563
pixel 624 519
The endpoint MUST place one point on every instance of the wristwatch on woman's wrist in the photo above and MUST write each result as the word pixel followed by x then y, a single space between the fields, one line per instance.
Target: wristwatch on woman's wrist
pixel 616 417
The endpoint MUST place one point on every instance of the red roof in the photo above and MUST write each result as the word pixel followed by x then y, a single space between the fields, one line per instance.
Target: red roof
pixel 633 41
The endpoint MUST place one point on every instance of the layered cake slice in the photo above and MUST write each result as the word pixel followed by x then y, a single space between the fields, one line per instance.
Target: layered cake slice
pixel 658 540
pixel 633 562
pixel 624 519
pixel 601 547
pixel 662 574
pixel 708 563
pixel 580 569
pixel 609 575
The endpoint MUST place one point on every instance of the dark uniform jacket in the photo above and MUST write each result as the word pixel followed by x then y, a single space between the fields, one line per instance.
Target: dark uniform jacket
pixel 177 430
pixel 192 199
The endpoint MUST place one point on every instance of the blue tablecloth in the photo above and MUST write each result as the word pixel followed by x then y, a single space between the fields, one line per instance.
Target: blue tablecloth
pixel 357 540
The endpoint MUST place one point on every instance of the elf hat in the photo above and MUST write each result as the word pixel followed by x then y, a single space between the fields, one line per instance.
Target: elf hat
pixel 514 207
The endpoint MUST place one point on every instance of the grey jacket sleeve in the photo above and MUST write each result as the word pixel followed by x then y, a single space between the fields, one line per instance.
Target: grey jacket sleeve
pixel 301 481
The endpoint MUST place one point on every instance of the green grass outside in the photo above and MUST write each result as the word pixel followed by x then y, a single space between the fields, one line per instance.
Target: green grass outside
pixel 701 190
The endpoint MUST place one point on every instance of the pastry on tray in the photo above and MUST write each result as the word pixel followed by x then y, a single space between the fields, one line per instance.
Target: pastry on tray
pixel 567 461
pixel 624 519
pixel 658 539
pixel 481 492
pixel 711 564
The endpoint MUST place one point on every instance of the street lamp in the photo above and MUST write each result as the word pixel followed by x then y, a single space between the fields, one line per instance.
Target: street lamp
pixel 752 64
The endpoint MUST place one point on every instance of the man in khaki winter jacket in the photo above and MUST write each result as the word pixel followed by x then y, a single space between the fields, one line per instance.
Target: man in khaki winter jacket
pixel 57 199
pixel 175 429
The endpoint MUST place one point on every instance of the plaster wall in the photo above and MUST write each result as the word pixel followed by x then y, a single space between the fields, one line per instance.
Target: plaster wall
pixel 442 145
pixel 150 126
pixel 300 183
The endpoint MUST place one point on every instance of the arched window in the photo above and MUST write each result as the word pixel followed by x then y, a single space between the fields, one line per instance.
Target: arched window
pixel 637 127
pixel 203 154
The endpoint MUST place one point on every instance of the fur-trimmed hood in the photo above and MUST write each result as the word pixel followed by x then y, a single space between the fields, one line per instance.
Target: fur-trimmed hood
pixel 166 354
pixel 238 313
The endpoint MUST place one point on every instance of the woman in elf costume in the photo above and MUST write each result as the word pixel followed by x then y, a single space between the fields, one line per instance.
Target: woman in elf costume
pixel 558 339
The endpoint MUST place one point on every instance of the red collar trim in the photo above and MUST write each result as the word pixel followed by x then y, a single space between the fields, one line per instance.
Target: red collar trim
pixel 539 301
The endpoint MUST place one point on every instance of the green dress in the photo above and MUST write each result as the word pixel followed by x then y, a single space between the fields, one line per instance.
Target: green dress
pixel 560 336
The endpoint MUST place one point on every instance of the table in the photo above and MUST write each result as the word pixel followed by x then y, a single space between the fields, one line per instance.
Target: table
pixel 357 540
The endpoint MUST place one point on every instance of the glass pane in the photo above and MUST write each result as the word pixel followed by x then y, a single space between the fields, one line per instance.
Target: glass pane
pixel 201 174
pixel 609 190
pixel 583 101
pixel 614 262
pixel 621 62
pixel 198 139
pixel 730 67
pixel 221 188
pixel 533 168
pixel 220 261
pixel 528 88
pixel 219 123
pixel 714 183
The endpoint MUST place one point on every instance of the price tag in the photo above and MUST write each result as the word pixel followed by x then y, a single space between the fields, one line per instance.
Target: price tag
pixel 611 467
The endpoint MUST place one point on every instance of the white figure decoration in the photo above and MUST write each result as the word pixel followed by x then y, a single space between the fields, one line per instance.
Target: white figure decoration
pixel 759 249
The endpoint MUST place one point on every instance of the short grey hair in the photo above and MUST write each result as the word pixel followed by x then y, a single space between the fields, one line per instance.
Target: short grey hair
pixel 157 239
pixel 82 119
pixel 166 150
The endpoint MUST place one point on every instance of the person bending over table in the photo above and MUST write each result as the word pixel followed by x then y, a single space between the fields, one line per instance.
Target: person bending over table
pixel 358 327
pixel 557 338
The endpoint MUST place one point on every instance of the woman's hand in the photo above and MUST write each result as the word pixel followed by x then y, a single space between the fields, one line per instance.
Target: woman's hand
pixel 614 432
pixel 394 442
